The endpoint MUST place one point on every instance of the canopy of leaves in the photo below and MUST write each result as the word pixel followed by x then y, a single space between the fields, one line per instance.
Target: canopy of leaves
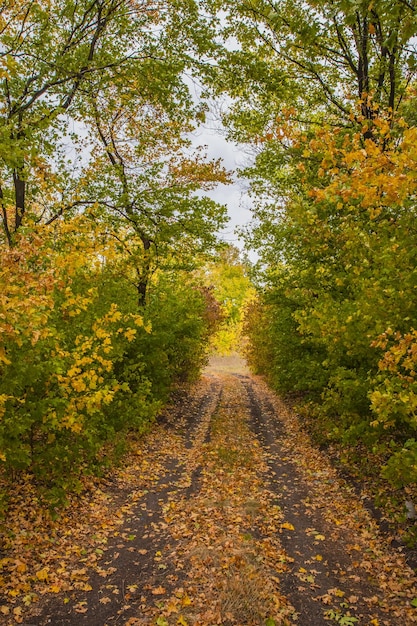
pixel 103 209
pixel 324 91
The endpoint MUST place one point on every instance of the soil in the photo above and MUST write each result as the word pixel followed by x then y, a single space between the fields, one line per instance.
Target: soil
pixel 227 515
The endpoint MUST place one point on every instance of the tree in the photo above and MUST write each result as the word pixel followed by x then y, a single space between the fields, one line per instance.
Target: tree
pixel 228 277
pixel 52 56
pixel 48 51
pixel 80 364
pixel 325 94
pixel 142 184
pixel 322 55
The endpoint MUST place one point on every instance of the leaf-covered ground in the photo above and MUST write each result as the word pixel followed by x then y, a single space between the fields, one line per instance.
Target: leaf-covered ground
pixel 224 513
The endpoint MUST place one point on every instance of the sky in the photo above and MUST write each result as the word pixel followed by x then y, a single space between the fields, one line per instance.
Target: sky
pixel 234 196
pixel 212 135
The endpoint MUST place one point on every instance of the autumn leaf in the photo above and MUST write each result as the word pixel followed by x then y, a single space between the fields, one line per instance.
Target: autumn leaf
pixel 81 607
pixel 42 574
pixel 22 567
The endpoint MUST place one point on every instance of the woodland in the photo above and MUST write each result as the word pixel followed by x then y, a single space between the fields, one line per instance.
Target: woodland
pixel 114 283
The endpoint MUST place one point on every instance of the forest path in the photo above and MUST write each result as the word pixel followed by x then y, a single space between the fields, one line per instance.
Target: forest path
pixel 229 516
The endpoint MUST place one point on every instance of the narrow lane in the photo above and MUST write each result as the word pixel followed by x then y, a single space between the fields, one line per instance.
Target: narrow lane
pixel 134 560
pixel 233 519
pixel 340 568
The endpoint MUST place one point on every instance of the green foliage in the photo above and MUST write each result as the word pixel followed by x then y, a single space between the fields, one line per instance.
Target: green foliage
pixel 83 367
pixel 98 320
pixel 340 278
pixel 314 59
pixel 401 468
pixel 182 317
pixel 232 288
pixel 325 92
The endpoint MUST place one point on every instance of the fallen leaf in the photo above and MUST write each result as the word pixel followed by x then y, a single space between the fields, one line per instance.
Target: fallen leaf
pixel 21 567
pixel 81 607
pixel 42 574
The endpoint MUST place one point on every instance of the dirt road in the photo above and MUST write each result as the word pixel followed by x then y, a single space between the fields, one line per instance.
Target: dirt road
pixel 225 514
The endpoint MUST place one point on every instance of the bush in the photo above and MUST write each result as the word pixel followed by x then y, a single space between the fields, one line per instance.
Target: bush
pixel 80 364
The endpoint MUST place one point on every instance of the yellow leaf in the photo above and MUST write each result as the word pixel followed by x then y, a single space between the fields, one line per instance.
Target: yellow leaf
pixel 288 526
pixel 3 357
pixel 172 606
pixel 21 567
pixel 130 334
pixel 54 588
pixel 182 621
pixel 318 557
pixel 81 607
pixel 320 537
pixel 42 574
pixel 186 601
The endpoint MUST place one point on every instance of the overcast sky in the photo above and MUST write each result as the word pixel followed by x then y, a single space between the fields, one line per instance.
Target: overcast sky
pixel 233 196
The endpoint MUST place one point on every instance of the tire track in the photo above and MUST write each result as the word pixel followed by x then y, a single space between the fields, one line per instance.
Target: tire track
pixel 326 579
pixel 136 559
pixel 236 519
